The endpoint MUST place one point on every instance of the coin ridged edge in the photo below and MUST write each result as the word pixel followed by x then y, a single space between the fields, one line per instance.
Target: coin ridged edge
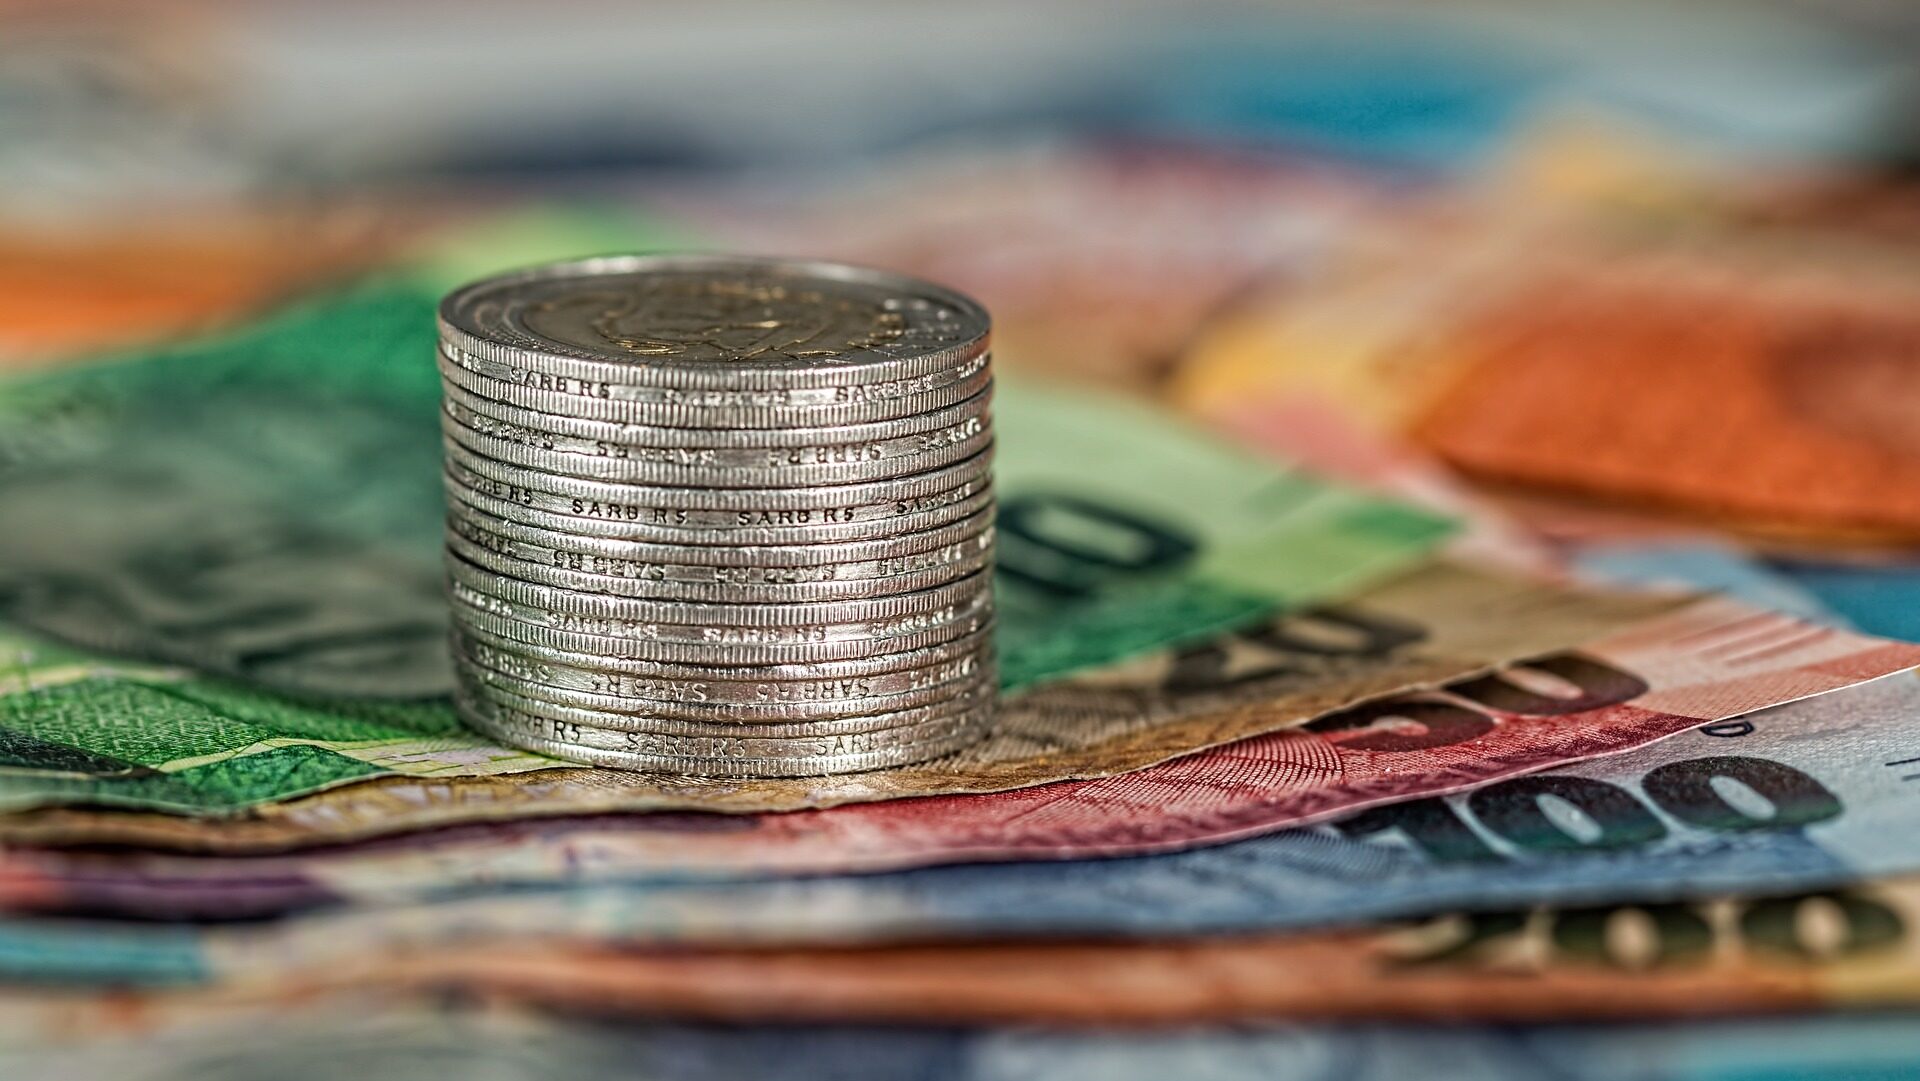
pixel 800 592
pixel 964 735
pixel 979 406
pixel 706 697
pixel 627 526
pixel 547 395
pixel 697 474
pixel 782 671
pixel 622 714
pixel 821 554
pixel 934 482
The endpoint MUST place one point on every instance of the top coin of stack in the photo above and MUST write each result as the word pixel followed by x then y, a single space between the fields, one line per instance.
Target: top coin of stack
pixel 720 516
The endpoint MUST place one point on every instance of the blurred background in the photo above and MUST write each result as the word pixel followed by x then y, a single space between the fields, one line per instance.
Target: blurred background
pixel 1177 148
pixel 1631 288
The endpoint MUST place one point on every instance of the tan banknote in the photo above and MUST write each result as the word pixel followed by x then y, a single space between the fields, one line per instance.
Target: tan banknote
pixel 1425 628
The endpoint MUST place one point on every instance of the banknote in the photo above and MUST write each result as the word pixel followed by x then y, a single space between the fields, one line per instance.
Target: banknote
pixel 1708 661
pixel 260 503
pixel 1120 530
pixel 1433 625
pixel 1852 947
pixel 259 514
pixel 298 1039
pixel 1879 595
pixel 1314 432
pixel 1548 363
pixel 1709 564
pixel 1812 796
pixel 1847 948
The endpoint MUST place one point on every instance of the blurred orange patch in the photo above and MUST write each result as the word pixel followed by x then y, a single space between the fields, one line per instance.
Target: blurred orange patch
pixel 1801 404
pixel 66 294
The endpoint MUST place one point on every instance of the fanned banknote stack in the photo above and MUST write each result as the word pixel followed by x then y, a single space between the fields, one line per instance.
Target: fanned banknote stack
pixel 1375 750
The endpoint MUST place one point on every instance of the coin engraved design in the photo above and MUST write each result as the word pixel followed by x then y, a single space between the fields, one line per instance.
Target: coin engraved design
pixel 750 316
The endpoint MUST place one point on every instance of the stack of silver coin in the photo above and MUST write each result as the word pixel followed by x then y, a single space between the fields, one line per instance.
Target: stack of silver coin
pixel 720 516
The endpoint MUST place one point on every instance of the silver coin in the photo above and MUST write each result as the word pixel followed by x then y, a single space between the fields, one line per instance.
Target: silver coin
pixel 963 733
pixel 843 553
pixel 960 702
pixel 729 769
pixel 534 389
pixel 722 719
pixel 514 657
pixel 740 465
pixel 716 321
pixel 586 648
pixel 728 390
pixel 708 468
pixel 628 522
pixel 899 614
pixel 485 686
pixel 515 724
pixel 657 693
pixel 713 515
pixel 714 627
pixel 723 645
pixel 590 434
pixel 745 566
pixel 966 696
pixel 761 505
pixel 720 644
pixel 622 577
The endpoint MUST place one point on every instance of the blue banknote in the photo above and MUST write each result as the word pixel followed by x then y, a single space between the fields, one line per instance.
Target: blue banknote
pixel 1705 564
pixel 490 1047
pixel 1879 599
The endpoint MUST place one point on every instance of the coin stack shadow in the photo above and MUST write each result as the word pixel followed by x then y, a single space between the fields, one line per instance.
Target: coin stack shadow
pixel 719 516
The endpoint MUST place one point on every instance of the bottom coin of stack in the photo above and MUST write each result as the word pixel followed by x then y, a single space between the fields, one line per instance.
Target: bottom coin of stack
pixel 720 517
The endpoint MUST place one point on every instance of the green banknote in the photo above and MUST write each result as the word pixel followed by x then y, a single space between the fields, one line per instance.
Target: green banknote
pixel 256 519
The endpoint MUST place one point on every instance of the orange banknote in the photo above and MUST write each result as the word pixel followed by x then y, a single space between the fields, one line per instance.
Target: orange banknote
pixel 1751 377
